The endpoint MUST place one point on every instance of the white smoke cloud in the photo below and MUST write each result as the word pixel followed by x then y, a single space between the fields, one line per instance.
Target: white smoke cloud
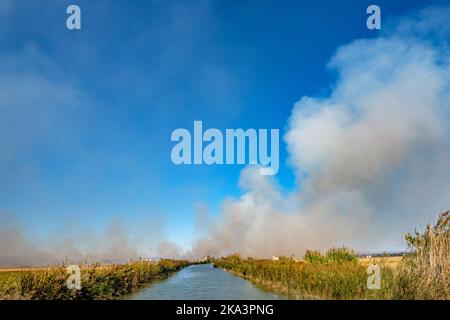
pixel 372 159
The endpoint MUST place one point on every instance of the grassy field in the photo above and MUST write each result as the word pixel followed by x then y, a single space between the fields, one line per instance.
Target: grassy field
pixel 97 281
pixel 339 274
pixel 385 261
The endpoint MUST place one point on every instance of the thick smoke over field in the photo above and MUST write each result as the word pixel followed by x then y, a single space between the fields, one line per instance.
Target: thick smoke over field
pixel 372 159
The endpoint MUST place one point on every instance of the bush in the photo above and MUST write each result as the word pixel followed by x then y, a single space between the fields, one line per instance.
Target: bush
pixel 314 256
pixel 341 255
pixel 333 255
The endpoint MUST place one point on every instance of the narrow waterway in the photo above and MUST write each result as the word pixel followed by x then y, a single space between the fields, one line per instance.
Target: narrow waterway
pixel 203 282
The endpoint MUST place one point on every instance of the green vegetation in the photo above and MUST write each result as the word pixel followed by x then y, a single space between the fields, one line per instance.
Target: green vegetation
pixel 333 255
pixel 300 279
pixel 422 274
pixel 97 281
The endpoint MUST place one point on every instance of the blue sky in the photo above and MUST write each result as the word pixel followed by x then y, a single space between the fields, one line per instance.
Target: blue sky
pixel 90 140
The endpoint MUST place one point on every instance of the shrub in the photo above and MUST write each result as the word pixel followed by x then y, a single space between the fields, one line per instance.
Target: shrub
pixel 314 256
pixel 341 255
pixel 333 255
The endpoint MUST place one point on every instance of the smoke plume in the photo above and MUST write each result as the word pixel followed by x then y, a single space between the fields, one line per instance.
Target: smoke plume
pixel 117 243
pixel 372 159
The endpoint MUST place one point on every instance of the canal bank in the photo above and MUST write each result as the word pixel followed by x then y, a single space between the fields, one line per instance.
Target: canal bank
pixel 203 282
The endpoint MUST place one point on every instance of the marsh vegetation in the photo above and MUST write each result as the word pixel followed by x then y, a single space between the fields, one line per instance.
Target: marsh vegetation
pixel 97 281
pixel 423 273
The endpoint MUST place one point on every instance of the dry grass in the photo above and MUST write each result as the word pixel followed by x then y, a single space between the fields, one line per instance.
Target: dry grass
pixel 386 261
pixel 49 268
pixel 425 273
pixel 24 269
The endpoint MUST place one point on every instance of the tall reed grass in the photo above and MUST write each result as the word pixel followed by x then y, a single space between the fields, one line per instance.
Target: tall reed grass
pixel 425 271
pixel 97 281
